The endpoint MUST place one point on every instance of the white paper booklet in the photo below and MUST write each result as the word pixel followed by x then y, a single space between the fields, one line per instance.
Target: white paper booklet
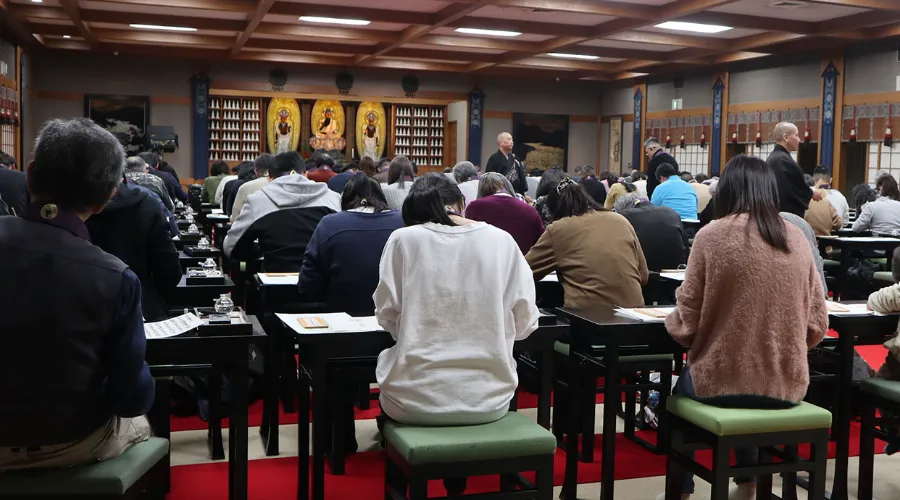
pixel 649 314
pixel 172 327
pixel 336 323
pixel 839 309
pixel 278 278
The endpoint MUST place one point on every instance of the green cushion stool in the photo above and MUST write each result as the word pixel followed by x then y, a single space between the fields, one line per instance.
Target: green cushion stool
pixel 887 389
pixel 883 278
pixel 507 446
pixel 109 479
pixel 880 402
pixel 775 433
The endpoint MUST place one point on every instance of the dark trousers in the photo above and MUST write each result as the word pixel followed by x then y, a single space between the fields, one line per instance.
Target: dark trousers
pixel 455 486
pixel 742 456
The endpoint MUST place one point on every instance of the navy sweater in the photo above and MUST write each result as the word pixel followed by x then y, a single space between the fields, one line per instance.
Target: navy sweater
pixel 341 262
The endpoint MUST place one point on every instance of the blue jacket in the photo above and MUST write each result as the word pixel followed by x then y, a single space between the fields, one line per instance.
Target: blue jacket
pixel 677 195
pixel 342 258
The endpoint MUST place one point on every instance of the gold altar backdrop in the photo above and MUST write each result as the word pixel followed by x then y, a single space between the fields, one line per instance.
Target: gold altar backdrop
pixel 283 125
pixel 327 122
pixel 371 129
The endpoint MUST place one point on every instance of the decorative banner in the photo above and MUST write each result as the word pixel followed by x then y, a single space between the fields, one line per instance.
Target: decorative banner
pixel 715 150
pixel 371 124
pixel 638 146
pixel 829 97
pixel 476 118
pixel 200 129
pixel 283 125
pixel 327 122
pixel 615 144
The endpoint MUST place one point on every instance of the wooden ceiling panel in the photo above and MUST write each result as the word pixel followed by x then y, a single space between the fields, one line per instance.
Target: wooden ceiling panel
pixel 811 13
pixel 194 8
pixel 540 15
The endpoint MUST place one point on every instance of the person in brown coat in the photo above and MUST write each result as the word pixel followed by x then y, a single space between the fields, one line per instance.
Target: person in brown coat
pixel 595 252
pixel 751 305
pixel 821 214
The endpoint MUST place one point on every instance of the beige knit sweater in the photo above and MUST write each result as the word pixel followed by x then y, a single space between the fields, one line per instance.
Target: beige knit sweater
pixel 748 312
pixel 886 301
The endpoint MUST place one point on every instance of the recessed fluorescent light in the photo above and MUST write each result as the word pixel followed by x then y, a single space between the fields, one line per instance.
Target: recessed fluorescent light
pixel 334 20
pixel 37 1
pixel 162 28
pixel 479 31
pixel 693 27
pixel 572 56
pixel 66 36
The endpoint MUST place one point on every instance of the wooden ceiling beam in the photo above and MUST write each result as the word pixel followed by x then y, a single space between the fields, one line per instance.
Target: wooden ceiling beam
pixel 857 21
pixel 126 18
pixel 595 7
pixel 322 32
pixel 530 27
pixel 323 47
pixel 861 4
pixel 157 37
pixel 262 8
pixel 376 15
pixel 16 23
pixel 474 42
pixel 74 12
pixel 655 38
pixel 751 22
pixel 559 63
pixel 242 6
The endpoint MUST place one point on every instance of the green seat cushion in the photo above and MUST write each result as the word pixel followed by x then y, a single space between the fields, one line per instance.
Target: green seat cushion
pixel 112 477
pixel 887 389
pixel 563 348
pixel 514 435
pixel 884 276
pixel 737 421
pixel 831 263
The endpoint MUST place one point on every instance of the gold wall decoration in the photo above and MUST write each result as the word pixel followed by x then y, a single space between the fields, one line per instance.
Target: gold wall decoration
pixel 283 125
pixel 327 125
pixel 371 125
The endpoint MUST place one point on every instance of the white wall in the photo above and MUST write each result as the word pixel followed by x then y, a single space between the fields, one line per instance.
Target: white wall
pixel 580 135
pixel 459 112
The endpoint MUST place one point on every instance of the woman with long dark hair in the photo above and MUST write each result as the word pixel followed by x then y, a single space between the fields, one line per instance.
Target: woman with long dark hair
pixel 400 178
pixel 595 252
pixel 455 294
pixel 751 305
pixel 549 180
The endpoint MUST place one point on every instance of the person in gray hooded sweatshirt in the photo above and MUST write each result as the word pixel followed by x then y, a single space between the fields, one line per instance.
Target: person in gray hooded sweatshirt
pixel 281 216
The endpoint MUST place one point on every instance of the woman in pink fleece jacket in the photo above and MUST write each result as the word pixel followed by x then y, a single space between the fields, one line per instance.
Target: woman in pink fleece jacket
pixel 750 307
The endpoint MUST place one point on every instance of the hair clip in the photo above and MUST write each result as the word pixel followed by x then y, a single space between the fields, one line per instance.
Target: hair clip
pixel 564 184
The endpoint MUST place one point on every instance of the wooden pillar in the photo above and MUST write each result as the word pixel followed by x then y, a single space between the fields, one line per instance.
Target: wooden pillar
pixel 597 164
pixel 20 95
pixel 350 131
pixel 639 159
pixel 723 135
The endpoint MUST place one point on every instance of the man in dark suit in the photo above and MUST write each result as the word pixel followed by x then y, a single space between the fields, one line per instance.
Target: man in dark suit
pixel 504 162
pixel 793 193
pixel 12 185
pixel 657 156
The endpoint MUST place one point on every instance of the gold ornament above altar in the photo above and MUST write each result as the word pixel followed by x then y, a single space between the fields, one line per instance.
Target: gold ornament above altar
pixel 283 125
pixel 370 130
pixel 327 122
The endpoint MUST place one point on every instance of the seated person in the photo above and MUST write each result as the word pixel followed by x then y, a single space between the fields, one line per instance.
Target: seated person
pixel 549 180
pixel 160 169
pixel 617 189
pixel 132 228
pixel 75 384
pixel 879 214
pixel 136 172
pixel 886 186
pixel 659 229
pixel 281 216
pixel 324 170
pixel 238 195
pixel 702 190
pixel 674 193
pixel 12 185
pixel 466 176
pixel 217 172
pixel 823 181
pixel 220 191
pixel 340 180
pixel 246 173
pixel 594 188
pixel 709 213
pixel 334 269
pixel 596 253
pixel 887 301
pixel 821 214
pixel 747 350
pixel 497 205
pixel 454 323
pixel 401 174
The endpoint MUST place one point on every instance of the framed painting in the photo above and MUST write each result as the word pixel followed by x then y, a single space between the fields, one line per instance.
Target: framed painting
pixel 126 117
pixel 615 144
pixel 541 141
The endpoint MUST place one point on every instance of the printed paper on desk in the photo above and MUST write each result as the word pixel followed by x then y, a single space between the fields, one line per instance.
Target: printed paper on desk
pixel 839 309
pixel 677 276
pixel 278 278
pixel 337 323
pixel 551 278
pixel 172 327
pixel 649 314
pixel 217 211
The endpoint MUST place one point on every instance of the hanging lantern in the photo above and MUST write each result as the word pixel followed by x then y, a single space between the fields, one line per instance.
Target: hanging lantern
pixel 806 136
pixel 758 128
pixel 668 142
pixel 888 134
pixel 853 130
pixel 703 139
pixel 682 142
pixel 734 139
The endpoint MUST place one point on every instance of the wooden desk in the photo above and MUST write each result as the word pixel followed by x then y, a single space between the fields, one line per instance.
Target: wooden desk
pixel 319 349
pixel 854 246
pixel 602 326
pixel 231 353
pixel 198 295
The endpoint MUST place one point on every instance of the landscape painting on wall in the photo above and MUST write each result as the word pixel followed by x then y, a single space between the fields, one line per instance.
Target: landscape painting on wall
pixel 124 116
pixel 541 141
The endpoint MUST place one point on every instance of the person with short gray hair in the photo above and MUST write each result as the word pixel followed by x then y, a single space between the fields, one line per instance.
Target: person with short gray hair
pixel 466 176
pixel 626 201
pixel 136 173
pixel 656 156
pixel 492 183
pixel 90 406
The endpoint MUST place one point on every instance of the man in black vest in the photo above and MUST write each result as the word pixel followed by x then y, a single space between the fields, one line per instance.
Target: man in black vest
pixel 74 384
pixel 657 156
pixel 505 163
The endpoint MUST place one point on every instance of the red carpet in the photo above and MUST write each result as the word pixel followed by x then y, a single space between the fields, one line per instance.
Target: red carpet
pixel 276 479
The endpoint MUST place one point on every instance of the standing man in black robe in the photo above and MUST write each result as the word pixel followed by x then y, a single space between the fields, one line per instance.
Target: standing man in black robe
pixel 793 193
pixel 505 163
pixel 657 156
